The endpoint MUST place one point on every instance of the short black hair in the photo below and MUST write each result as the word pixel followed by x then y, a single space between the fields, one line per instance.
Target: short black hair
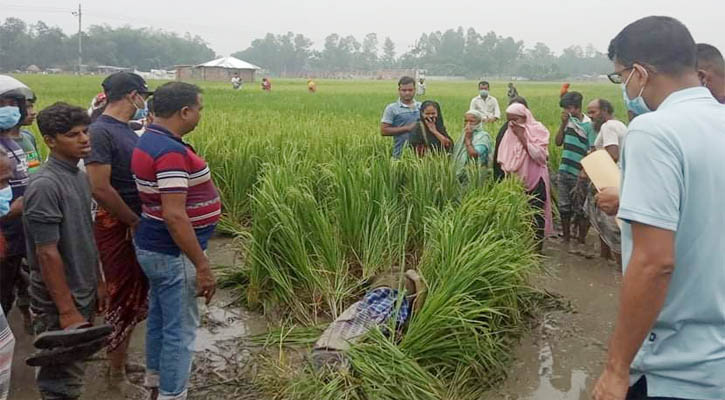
pixel 708 56
pixel 60 118
pixel 571 99
pixel 662 42
pixel 605 105
pixel 520 100
pixel 406 80
pixel 150 105
pixel 484 83
pixel 174 96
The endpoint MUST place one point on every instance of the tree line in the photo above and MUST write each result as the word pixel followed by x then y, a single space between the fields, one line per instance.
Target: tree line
pixel 22 45
pixel 452 52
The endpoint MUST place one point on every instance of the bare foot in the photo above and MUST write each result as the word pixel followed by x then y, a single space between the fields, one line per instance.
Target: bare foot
pixel 121 388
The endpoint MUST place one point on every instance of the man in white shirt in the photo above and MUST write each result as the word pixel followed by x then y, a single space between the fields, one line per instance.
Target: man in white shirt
pixel 420 88
pixel 485 103
pixel 610 132
pixel 610 136
pixel 236 81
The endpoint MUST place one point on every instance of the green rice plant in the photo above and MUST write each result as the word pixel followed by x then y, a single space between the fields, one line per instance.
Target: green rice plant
pixel 426 184
pixel 368 215
pixel 295 251
pixel 476 261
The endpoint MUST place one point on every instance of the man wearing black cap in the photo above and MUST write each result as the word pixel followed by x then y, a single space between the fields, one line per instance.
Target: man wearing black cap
pixel 114 188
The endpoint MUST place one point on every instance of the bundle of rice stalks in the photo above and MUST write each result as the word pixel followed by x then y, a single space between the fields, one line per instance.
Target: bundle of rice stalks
pixel 295 253
pixel 477 258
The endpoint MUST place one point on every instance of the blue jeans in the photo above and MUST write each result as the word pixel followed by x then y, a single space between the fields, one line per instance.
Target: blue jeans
pixel 172 322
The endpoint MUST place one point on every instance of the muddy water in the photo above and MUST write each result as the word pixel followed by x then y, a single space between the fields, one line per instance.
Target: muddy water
pixel 563 355
pixel 220 322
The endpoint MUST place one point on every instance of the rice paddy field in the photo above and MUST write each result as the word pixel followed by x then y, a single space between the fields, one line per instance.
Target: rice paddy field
pixel 320 209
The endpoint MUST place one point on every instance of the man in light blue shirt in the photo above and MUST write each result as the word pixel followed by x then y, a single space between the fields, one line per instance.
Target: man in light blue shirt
pixel 400 118
pixel 669 338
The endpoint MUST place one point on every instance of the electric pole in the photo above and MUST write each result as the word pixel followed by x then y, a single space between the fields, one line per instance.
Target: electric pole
pixel 79 14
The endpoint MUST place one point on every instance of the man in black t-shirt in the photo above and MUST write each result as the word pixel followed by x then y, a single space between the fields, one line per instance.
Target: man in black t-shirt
pixel 114 188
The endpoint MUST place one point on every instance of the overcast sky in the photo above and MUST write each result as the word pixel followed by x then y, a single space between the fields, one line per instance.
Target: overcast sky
pixel 229 26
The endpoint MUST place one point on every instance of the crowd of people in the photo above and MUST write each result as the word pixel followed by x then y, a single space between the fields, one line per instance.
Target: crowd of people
pixel 113 223
pixel 521 148
pixel 117 219
pixel 667 341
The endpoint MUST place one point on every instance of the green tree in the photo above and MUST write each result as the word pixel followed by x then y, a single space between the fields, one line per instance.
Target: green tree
pixel 388 59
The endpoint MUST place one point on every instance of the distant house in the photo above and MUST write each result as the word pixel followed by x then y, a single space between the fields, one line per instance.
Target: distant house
pixel 221 69
pixel 109 69
pixel 33 69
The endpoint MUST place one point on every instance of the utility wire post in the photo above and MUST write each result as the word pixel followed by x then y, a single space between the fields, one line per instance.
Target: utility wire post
pixel 79 14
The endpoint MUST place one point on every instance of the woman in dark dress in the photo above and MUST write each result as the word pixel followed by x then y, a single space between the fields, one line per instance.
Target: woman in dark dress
pixel 430 134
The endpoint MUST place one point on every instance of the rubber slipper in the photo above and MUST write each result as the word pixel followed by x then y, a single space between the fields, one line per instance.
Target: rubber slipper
pixel 74 335
pixel 66 355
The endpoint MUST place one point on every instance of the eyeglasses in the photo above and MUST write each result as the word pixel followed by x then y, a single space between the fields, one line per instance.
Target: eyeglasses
pixel 616 77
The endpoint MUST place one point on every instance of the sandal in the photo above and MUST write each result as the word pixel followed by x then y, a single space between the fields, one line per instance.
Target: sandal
pixel 66 355
pixel 73 335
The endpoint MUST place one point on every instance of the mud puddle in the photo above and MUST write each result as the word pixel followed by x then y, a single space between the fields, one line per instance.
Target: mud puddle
pixel 563 355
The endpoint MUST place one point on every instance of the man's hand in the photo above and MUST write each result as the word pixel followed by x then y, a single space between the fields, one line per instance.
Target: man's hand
pixel 410 126
pixel 103 302
pixel 565 117
pixel 472 152
pixel 71 318
pixel 205 283
pixel 608 200
pixel 611 386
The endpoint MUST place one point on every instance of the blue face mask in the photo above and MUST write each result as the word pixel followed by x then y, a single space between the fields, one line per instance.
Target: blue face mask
pixel 141 113
pixel 9 117
pixel 637 105
pixel 483 93
pixel 6 195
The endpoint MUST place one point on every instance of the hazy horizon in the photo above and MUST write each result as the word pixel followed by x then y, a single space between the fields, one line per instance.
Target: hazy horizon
pixel 230 28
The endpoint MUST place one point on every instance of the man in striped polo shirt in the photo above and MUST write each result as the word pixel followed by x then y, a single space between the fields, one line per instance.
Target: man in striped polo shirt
pixel 577 136
pixel 180 209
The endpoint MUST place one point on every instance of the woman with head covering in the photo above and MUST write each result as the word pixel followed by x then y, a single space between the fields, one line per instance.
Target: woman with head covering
pixel 475 143
pixel 524 151
pixel 430 133
pixel 498 173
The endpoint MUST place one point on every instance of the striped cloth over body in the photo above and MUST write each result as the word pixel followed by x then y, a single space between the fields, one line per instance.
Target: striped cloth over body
pixel 579 137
